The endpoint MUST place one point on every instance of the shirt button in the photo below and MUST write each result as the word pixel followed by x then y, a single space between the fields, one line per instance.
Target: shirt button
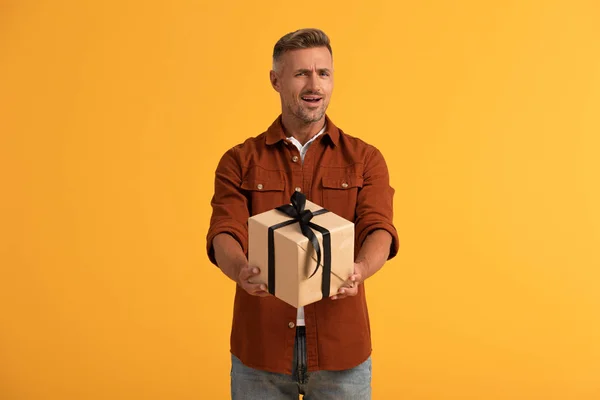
pixel 259 186
pixel 291 325
pixel 295 159
pixel 298 189
pixel 344 185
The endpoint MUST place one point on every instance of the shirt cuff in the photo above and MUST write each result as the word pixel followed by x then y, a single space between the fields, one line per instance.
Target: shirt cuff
pixel 394 247
pixel 233 228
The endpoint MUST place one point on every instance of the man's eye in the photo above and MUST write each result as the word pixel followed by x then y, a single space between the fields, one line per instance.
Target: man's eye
pixel 324 73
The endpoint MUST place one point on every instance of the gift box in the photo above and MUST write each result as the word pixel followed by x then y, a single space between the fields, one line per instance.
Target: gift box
pixel 304 252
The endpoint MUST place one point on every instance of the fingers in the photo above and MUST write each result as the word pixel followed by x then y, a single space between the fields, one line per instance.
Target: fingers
pixel 351 282
pixel 247 272
pixel 356 278
pixel 245 281
pixel 346 290
pixel 256 289
pixel 349 288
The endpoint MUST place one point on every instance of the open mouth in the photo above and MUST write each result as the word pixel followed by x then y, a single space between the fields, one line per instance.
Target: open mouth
pixel 312 99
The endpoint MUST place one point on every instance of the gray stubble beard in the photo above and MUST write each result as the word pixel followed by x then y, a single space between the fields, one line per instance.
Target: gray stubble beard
pixel 306 118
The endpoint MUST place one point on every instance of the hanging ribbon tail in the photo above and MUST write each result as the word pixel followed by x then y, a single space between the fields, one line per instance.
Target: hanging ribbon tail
pixel 326 279
pixel 306 231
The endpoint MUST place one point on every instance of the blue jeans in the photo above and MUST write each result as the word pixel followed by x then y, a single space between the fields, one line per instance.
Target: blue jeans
pixel 252 384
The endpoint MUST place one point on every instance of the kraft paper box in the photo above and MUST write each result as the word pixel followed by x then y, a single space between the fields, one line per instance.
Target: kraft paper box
pixel 290 274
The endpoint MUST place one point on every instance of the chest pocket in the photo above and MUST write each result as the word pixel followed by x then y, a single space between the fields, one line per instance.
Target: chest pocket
pixel 340 193
pixel 264 189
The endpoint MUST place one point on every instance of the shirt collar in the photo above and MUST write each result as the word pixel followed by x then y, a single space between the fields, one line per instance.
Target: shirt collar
pixel 275 133
pixel 299 145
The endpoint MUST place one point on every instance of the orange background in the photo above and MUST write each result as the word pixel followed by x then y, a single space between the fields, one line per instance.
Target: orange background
pixel 113 116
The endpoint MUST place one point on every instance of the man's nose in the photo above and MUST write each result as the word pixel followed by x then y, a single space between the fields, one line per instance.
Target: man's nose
pixel 313 82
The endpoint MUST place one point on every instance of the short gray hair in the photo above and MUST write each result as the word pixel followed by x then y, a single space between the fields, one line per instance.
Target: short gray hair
pixel 300 39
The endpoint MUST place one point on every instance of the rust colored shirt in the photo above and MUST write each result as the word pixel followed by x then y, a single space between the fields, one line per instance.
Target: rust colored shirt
pixel 341 173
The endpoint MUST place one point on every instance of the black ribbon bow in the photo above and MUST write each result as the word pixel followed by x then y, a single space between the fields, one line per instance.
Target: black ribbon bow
pixel 299 215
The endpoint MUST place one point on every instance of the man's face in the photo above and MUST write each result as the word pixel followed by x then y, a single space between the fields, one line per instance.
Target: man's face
pixel 304 80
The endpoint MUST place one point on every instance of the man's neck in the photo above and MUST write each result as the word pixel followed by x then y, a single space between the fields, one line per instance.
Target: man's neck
pixel 302 131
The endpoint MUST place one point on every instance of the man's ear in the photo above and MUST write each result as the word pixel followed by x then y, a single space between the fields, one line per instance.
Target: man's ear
pixel 274 80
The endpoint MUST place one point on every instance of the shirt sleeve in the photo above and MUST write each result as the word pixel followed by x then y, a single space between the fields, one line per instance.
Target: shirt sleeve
pixel 374 208
pixel 229 204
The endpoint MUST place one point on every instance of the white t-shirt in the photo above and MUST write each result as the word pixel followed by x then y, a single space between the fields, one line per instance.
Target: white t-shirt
pixel 302 150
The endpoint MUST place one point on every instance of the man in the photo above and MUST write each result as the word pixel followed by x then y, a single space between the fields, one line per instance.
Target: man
pixel 323 349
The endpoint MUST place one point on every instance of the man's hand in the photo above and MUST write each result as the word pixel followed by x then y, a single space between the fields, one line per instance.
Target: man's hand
pixel 350 287
pixel 233 262
pixel 371 257
pixel 245 278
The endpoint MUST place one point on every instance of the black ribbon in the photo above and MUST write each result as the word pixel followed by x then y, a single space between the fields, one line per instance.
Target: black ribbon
pixel 299 215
